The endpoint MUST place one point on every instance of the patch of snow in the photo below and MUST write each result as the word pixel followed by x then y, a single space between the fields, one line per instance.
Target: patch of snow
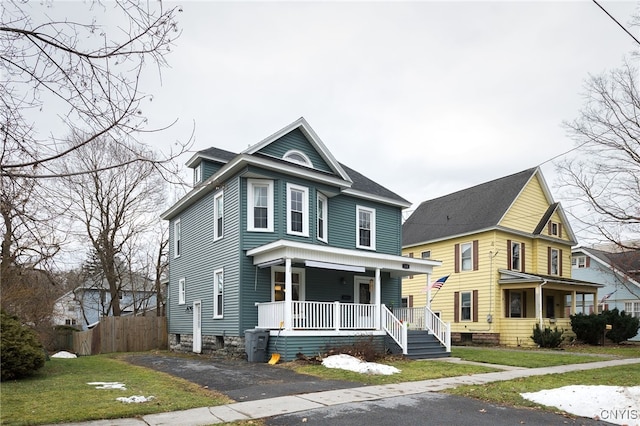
pixel 108 385
pixel 64 354
pixel 347 362
pixel 135 399
pixel 614 404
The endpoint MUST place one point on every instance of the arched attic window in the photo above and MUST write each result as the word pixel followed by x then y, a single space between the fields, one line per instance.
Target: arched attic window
pixel 297 157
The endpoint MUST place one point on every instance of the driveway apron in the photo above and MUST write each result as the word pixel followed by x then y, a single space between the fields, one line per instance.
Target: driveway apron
pixel 238 379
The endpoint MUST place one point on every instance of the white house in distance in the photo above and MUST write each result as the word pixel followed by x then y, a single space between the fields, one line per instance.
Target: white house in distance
pixel 618 271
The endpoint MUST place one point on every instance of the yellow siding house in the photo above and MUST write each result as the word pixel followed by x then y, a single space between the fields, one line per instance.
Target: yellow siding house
pixel 505 246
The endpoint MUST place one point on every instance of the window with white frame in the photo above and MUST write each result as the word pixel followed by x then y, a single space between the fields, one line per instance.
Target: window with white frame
pixel 278 283
pixel 632 308
pixel 218 293
pixel 365 228
pixel 516 256
pixel 578 262
pixel 177 238
pixel 297 157
pixel 197 174
pixel 426 254
pixel 322 214
pixel 297 210
pixel 465 306
pixel 466 257
pixel 554 261
pixel 182 291
pixel 218 214
pixel 260 205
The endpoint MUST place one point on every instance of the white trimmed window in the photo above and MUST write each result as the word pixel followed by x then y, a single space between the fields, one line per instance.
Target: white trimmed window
pixel 554 262
pixel 632 308
pixel 278 282
pixel 297 157
pixel 322 215
pixel 259 205
pixel 465 306
pixel 297 210
pixel 182 291
pixel 197 174
pixel 365 228
pixel 218 293
pixel 466 257
pixel 218 214
pixel 579 262
pixel 177 238
pixel 516 255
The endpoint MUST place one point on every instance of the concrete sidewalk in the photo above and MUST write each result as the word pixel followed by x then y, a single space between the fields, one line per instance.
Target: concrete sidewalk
pixel 290 404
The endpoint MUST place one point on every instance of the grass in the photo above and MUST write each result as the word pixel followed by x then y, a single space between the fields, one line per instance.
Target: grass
pixel 524 358
pixel 508 392
pixel 410 371
pixel 59 392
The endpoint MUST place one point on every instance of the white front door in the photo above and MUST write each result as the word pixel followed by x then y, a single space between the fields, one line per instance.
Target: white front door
pixel 197 327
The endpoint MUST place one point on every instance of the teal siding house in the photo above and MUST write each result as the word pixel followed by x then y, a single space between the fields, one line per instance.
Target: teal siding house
pixel 282 237
pixel 617 271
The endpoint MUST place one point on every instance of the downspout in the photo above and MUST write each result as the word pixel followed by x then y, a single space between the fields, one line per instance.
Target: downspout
pixel 539 303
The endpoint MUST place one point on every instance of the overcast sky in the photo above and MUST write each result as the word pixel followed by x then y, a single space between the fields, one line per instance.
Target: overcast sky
pixel 425 98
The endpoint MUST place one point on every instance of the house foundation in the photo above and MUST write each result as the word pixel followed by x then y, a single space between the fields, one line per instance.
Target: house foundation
pixel 226 346
pixel 458 338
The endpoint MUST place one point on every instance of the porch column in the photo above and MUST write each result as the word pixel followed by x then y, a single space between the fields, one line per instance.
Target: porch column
pixel 573 302
pixel 538 294
pixel 377 296
pixel 288 293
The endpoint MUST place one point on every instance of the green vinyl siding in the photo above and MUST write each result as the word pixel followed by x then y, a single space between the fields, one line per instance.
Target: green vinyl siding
pixel 289 346
pixel 200 257
pixel 208 168
pixel 296 140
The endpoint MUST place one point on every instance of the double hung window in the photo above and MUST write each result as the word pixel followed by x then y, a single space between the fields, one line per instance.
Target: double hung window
pixel 366 228
pixel 259 205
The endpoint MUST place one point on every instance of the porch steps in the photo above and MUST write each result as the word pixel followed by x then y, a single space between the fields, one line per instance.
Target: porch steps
pixel 424 345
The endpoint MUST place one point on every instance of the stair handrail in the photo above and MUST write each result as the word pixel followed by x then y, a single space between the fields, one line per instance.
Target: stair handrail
pixel 395 328
pixel 437 327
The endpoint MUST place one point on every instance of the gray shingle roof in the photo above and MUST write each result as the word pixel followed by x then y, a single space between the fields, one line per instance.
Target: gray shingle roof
pixel 469 210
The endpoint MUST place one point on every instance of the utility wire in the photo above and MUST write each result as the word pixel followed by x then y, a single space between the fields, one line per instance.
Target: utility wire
pixel 616 21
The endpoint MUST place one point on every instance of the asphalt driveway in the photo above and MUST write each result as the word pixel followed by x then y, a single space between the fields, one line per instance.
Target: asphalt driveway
pixel 238 379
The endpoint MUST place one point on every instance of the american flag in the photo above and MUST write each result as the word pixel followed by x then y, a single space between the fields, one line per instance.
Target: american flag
pixel 606 296
pixel 439 282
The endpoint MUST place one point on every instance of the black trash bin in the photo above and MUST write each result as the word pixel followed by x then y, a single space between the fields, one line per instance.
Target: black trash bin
pixel 255 343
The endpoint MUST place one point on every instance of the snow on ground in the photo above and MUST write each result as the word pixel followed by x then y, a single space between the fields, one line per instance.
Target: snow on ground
pixel 347 362
pixel 614 404
pixel 63 354
pixel 108 385
pixel 135 399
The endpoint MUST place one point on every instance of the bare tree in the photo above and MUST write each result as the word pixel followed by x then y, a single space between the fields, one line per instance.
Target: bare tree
pixel 83 77
pixel 605 175
pixel 116 208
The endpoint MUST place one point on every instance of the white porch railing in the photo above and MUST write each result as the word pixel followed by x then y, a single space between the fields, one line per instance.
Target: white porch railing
pixel 425 319
pixel 395 328
pixel 307 315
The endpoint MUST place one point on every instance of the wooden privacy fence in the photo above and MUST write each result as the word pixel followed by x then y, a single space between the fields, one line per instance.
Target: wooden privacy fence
pixel 122 334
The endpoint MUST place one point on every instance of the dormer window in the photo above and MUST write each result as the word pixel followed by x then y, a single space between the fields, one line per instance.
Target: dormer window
pixel 297 157
pixel 197 175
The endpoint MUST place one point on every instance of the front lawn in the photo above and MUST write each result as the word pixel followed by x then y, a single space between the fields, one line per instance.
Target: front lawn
pixel 524 358
pixel 60 393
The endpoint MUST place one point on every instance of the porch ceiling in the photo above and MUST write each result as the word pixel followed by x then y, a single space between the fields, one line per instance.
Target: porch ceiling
pixel 515 277
pixel 398 266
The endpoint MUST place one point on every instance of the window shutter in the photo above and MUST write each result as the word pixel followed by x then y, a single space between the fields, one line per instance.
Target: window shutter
pixel 548 260
pixel 475 255
pixel 509 264
pixel 549 230
pixel 411 254
pixel 524 304
pixel 588 262
pixel 560 262
pixel 410 302
pixel 475 305
pixel 456 256
pixel 522 262
pixel 559 230
pixel 456 306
